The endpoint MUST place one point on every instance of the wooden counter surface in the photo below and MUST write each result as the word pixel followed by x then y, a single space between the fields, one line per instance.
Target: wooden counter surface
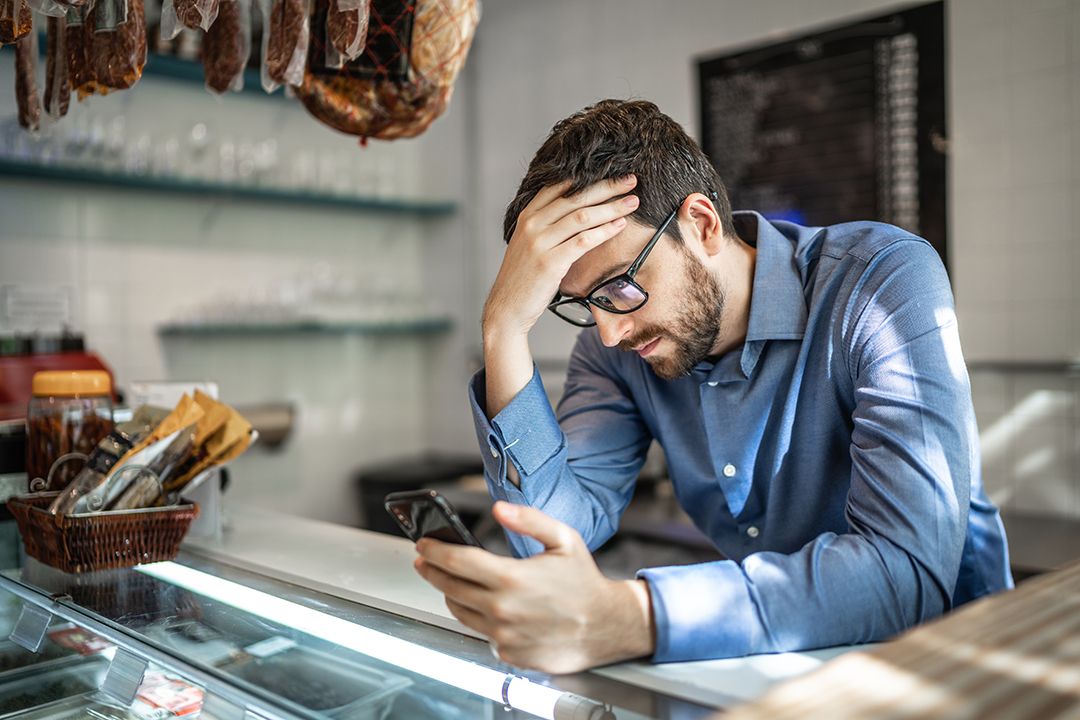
pixel 1014 655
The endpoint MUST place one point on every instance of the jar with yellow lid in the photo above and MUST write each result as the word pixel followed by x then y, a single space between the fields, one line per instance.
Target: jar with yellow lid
pixel 69 413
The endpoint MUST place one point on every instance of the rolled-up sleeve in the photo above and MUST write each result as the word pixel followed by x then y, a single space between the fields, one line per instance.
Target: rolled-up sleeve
pixel 578 466
pixel 913 451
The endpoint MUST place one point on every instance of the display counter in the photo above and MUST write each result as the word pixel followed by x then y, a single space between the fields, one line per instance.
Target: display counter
pixel 288 618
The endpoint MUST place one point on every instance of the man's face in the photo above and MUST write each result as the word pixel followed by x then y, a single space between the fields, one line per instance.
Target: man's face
pixel 679 325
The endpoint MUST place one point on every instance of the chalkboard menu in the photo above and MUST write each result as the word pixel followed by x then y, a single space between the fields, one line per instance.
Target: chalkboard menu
pixel 847 123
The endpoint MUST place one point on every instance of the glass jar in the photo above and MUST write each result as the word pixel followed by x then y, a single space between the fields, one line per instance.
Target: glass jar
pixel 69 413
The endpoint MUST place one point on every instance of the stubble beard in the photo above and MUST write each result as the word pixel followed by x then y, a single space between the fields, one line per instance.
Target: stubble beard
pixel 694 331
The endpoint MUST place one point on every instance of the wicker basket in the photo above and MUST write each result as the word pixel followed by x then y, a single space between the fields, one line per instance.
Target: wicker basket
pixel 97 541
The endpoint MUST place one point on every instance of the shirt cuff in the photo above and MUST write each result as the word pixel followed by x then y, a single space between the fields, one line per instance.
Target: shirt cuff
pixel 525 430
pixel 702 611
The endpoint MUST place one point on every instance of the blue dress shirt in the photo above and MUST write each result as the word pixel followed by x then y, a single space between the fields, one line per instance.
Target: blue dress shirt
pixel 833 458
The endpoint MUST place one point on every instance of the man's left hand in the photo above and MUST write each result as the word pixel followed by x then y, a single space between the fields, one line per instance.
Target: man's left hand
pixel 554 612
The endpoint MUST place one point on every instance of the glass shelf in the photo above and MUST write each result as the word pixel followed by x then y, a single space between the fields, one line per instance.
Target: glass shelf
pixel 182 186
pixel 418 326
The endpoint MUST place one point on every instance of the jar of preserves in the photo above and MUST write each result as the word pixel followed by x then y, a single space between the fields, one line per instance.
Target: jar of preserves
pixel 69 413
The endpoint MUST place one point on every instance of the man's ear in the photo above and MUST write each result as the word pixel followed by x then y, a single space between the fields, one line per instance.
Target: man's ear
pixel 699 217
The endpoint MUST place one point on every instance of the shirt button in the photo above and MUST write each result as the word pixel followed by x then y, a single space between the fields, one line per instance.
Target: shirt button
pixel 713 383
pixel 752 531
pixel 494 453
pixel 729 470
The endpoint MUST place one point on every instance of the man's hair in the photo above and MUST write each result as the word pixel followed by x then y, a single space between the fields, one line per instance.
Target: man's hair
pixel 614 138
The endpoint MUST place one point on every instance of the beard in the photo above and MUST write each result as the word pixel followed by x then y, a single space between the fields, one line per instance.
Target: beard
pixel 694 330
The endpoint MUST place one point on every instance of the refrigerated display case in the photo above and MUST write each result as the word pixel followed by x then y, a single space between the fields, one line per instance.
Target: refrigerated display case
pixel 198 637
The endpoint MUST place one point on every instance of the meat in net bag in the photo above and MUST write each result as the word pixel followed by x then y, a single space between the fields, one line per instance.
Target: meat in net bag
pixel 405 77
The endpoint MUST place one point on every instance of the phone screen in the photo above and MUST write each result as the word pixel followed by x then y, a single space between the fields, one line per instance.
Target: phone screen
pixel 425 514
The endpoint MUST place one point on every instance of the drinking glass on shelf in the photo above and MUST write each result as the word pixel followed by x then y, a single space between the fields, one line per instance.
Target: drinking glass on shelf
pixel 137 155
pixel 166 157
pixel 266 161
pixel 226 171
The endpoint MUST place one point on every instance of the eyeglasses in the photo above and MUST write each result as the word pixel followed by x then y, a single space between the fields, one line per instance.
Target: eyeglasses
pixel 619 295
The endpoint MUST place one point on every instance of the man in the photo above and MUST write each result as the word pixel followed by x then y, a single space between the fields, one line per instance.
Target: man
pixel 806 385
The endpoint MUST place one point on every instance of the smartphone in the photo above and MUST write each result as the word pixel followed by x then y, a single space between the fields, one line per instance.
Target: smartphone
pixel 426 513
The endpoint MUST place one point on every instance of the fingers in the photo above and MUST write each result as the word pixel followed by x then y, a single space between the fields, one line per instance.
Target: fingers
pixel 546 195
pixel 469 617
pixel 472 564
pixel 461 591
pixel 524 520
pixel 549 206
pixel 568 252
pixel 594 216
pixel 595 194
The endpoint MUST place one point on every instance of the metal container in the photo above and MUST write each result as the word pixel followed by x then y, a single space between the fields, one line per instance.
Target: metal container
pixel 32 691
pixel 324 683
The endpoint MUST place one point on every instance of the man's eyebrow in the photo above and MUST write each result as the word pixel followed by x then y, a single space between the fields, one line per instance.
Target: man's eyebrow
pixel 615 269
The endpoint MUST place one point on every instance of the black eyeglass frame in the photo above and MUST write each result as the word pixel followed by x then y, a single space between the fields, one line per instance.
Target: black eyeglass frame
pixel 628 276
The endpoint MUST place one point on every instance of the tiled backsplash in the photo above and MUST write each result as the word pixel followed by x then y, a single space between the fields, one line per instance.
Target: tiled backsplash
pixel 1029 430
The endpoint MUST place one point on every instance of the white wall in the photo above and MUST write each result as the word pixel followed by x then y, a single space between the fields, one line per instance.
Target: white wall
pixel 137 259
pixel 1014 99
pixel 1015 112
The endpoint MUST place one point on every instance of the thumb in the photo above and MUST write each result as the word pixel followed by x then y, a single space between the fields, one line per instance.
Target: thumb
pixel 524 520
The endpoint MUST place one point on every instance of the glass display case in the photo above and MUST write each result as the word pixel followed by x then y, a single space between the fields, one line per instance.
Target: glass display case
pixel 198 637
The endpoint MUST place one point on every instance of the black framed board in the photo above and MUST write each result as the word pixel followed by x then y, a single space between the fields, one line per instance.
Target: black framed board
pixel 845 123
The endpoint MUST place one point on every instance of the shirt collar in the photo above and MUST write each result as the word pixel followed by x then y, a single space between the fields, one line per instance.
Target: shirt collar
pixel 778 304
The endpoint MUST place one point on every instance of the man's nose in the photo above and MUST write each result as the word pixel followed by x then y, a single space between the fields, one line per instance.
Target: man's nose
pixel 613 327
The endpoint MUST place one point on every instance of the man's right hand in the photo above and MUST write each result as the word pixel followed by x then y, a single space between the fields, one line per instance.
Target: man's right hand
pixel 550 235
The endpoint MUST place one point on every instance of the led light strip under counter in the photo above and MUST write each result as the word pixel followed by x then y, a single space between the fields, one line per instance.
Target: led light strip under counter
pixel 504 688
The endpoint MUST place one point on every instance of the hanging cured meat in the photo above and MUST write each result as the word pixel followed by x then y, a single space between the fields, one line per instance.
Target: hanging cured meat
pixel 378 103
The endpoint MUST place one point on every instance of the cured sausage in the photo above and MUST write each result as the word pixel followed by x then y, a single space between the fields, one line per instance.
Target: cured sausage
pixel 118 56
pixel 226 47
pixel 378 107
pixel 26 94
pixel 347 27
pixel 57 80
pixel 287 41
pixel 16 19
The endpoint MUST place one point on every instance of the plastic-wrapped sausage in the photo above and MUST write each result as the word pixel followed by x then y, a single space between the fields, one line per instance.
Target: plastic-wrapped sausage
pixel 16 19
pixel 57 81
pixel 118 56
pixel 286 33
pixel 226 47
pixel 194 14
pixel 77 38
pixel 346 30
pixel 26 94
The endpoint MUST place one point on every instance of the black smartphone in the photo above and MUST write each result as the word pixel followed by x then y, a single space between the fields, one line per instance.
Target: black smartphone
pixel 426 513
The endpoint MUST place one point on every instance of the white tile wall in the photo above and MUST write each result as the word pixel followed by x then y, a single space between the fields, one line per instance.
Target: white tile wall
pixel 1029 431
pixel 1014 84
pixel 135 260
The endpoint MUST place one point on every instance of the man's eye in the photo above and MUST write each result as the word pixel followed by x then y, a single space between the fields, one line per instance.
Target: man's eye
pixel 603 301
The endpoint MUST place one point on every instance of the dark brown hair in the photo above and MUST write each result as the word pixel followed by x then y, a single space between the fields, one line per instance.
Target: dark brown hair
pixel 617 137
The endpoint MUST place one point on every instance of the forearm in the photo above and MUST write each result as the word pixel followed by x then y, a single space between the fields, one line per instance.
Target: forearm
pixel 509 366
